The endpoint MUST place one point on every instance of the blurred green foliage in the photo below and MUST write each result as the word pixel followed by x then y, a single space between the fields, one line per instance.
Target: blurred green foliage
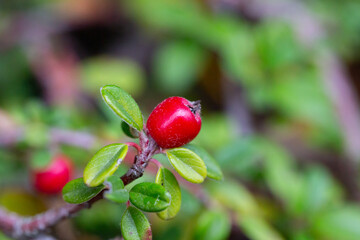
pixel 103 220
pixel 14 69
pixel 22 202
pixel 177 65
pixel 123 73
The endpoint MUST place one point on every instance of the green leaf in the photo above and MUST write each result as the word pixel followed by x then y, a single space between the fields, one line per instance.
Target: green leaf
pixel 213 168
pixel 114 183
pixel 189 165
pixel 216 132
pixel 279 165
pixel 149 197
pixel 116 192
pixel 40 159
pixel 235 196
pixel 36 135
pixel 257 229
pixel 125 73
pixel 118 196
pixel 129 131
pixel 123 105
pixel 135 226
pixel 104 163
pixel 277 47
pixel 212 225
pixel 302 235
pixel 21 202
pixel 166 179
pixel 176 66
pixel 342 223
pixel 320 191
pixel 244 151
pixel 76 191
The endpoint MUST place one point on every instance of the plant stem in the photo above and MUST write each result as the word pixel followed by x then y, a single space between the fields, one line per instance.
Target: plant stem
pixel 134 145
pixel 19 227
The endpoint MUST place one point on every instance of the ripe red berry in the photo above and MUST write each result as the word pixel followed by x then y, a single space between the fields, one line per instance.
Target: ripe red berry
pixel 53 178
pixel 174 122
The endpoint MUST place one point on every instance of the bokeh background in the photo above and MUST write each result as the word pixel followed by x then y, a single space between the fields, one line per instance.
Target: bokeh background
pixel 279 86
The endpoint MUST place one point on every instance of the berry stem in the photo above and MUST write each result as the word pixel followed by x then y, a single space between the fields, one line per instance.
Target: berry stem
pixel 134 145
pixel 196 107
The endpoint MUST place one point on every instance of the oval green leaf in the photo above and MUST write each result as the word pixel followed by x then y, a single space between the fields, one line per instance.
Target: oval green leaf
pixel 104 163
pixel 213 168
pixel 212 225
pixel 166 179
pixel 123 105
pixel 188 164
pixel 118 196
pixel 116 192
pixel 135 226
pixel 149 197
pixel 76 191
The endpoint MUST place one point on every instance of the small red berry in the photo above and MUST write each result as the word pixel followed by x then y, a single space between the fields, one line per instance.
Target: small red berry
pixel 53 178
pixel 174 122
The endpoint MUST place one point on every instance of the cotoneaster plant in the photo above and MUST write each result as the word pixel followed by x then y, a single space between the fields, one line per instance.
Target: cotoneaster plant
pixel 173 123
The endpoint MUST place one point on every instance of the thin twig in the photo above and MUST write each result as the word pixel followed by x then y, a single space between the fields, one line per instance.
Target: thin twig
pixel 72 137
pixel 26 227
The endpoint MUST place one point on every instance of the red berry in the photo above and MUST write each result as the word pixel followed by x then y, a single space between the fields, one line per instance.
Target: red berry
pixel 174 122
pixel 53 178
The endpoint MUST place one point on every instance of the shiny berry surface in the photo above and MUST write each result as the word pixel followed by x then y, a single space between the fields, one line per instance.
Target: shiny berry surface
pixel 174 122
pixel 53 178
